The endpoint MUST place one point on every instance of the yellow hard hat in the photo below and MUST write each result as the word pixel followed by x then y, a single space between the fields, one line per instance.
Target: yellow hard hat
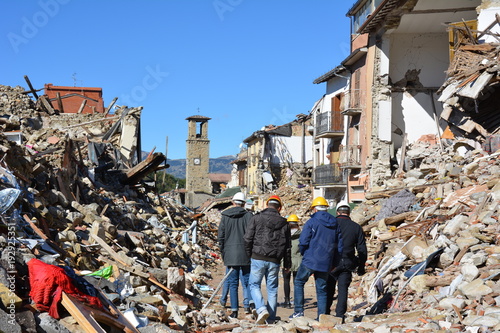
pixel 319 201
pixel 293 218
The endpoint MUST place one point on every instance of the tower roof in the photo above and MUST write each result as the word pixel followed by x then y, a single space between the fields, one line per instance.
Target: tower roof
pixel 198 117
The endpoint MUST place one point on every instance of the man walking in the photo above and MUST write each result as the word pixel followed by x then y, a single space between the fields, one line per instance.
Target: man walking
pixel 232 229
pixel 354 241
pixel 267 241
pixel 320 244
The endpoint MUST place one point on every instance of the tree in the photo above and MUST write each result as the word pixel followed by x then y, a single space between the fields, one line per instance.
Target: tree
pixel 166 182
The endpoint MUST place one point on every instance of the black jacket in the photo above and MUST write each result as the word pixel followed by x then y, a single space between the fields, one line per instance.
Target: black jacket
pixel 354 241
pixel 232 228
pixel 268 238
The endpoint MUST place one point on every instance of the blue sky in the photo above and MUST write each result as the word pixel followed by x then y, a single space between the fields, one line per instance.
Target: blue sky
pixel 244 63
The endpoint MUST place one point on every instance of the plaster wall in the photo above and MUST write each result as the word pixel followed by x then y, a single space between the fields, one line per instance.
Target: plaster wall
pixel 293 149
pixel 486 17
pixel 428 53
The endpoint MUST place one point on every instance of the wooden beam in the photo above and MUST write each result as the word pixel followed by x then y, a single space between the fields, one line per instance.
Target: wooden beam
pixel 108 249
pixel 61 107
pixel 82 106
pixel 88 318
pixel 46 104
pixel 43 236
pixel 392 220
pixel 93 121
pixel 110 106
pixel 32 90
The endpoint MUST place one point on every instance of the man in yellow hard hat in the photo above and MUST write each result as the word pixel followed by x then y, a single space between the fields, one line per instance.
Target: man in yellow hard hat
pixel 320 244
pixel 267 242
pixel 293 220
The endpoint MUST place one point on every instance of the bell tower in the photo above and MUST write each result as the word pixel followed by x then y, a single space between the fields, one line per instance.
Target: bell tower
pixel 197 158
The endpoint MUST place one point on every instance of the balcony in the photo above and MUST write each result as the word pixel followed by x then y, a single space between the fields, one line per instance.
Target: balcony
pixel 354 102
pixel 329 174
pixel 350 157
pixel 329 124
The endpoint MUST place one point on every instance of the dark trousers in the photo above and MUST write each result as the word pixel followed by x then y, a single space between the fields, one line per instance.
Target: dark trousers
pixel 341 279
pixel 286 283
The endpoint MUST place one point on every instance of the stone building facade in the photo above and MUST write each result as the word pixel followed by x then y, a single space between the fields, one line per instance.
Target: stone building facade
pixel 198 185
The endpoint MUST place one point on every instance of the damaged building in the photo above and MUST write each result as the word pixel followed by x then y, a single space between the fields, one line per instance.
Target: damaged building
pixel 389 92
pixel 275 155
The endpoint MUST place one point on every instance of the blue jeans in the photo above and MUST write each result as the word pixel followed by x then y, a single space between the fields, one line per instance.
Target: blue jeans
pixel 320 279
pixel 269 270
pixel 239 272
pixel 247 298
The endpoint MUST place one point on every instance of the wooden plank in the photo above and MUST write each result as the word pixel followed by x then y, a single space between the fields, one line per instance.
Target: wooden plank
pixel 110 106
pixel 87 322
pixel 59 100
pixel 128 326
pixel 32 90
pixel 88 318
pixel 44 237
pixel 108 249
pixel 46 104
pixel 93 121
pixel 473 88
pixel 82 106
pixel 392 220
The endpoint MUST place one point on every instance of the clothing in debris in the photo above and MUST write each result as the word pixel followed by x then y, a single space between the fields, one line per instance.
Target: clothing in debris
pixel 48 282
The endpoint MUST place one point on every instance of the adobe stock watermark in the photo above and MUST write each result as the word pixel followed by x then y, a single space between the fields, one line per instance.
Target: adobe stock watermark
pixel 31 26
pixel 223 6
pixel 150 82
pixel 11 272
pixel 281 116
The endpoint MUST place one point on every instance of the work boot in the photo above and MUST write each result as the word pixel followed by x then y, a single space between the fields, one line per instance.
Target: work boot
pixel 234 314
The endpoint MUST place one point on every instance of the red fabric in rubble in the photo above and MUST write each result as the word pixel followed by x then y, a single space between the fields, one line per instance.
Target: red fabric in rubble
pixel 47 283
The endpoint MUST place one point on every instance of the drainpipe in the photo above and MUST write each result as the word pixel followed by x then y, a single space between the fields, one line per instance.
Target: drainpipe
pixel 303 148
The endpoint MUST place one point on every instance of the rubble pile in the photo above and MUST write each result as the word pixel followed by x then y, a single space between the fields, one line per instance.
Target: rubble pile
pixel 296 200
pixel 71 200
pixel 434 261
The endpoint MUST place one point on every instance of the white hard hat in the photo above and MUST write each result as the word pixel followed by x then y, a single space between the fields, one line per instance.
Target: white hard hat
pixel 240 197
pixel 343 204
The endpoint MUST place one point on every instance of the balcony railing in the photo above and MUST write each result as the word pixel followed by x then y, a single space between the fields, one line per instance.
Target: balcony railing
pixel 329 124
pixel 329 174
pixel 354 102
pixel 350 156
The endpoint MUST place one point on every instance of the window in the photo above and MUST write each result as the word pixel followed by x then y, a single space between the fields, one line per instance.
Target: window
pixel 363 12
pixel 357 189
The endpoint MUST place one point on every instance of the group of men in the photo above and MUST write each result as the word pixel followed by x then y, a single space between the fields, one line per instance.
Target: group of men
pixel 254 246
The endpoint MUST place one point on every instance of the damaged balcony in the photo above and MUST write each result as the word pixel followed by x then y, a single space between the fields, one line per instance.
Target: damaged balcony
pixel 354 102
pixel 351 157
pixel 329 124
pixel 329 174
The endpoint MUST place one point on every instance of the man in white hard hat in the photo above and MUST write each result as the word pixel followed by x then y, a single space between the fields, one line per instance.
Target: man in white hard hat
pixel 354 241
pixel 232 228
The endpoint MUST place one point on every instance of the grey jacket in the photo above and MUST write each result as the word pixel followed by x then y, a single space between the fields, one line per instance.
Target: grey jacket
pixel 232 228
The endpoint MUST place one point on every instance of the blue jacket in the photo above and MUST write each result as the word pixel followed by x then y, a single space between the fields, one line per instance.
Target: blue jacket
pixel 320 242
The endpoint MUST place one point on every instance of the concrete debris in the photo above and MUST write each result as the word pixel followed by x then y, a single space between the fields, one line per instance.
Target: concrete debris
pixel 71 197
pixel 75 201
